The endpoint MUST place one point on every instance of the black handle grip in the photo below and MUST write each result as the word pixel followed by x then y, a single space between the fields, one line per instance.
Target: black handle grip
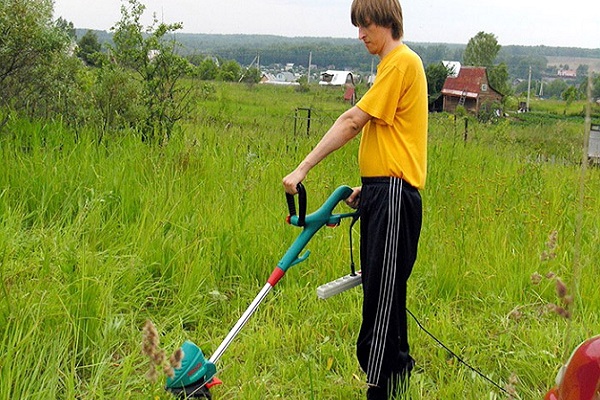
pixel 301 204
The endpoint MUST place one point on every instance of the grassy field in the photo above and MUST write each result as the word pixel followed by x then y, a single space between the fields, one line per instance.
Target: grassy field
pixel 95 240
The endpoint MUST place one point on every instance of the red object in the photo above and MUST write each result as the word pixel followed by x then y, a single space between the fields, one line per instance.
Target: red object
pixel 214 382
pixel 349 94
pixel 579 379
pixel 276 275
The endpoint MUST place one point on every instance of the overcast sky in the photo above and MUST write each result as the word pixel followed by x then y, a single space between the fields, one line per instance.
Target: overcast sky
pixel 573 23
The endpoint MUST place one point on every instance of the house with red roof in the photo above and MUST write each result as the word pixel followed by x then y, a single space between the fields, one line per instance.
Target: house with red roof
pixel 469 88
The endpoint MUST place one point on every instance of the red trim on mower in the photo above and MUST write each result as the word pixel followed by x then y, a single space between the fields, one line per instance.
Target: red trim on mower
pixel 214 382
pixel 276 275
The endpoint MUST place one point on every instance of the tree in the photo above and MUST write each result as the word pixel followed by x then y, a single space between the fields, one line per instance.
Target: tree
pixel 89 49
pixel 67 27
pixel 208 69
pixel 118 99
pixel 569 95
pixel 582 70
pixel 251 75
pixel 230 71
pixel 482 50
pixel 30 43
pixel 555 88
pixel 160 69
pixel 436 77
pixel 596 86
pixel 499 78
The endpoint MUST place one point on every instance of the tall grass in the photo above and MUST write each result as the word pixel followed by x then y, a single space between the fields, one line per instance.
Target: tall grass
pixel 95 239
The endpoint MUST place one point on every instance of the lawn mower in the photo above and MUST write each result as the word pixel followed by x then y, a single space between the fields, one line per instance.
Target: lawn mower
pixel 197 374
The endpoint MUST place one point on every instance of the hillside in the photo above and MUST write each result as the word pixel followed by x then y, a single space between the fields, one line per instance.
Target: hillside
pixel 346 52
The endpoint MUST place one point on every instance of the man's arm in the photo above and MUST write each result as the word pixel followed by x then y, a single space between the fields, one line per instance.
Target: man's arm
pixel 345 128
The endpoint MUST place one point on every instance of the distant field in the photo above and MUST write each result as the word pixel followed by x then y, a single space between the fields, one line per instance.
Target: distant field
pixel 574 62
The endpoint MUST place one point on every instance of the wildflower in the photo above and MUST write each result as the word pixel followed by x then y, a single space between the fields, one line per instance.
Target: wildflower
pixel 536 278
pixel 561 288
pixel 560 311
pixel 552 238
pixel 550 252
pixel 515 314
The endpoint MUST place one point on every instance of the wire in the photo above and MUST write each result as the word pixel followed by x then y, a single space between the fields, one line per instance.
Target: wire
pixel 455 355
pixel 355 218
pixel 481 374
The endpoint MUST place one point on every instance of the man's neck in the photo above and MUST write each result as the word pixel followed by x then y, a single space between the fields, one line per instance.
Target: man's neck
pixel 389 47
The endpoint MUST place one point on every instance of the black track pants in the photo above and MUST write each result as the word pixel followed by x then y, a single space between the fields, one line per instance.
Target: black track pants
pixel 391 216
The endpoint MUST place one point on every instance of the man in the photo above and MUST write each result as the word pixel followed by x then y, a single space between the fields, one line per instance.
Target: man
pixel 392 116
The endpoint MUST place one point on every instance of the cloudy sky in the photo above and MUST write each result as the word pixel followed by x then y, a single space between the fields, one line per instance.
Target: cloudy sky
pixel 573 23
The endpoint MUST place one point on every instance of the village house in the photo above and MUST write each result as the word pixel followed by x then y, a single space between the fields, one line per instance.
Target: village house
pixel 281 78
pixel 340 78
pixel 336 78
pixel 469 88
pixel 567 73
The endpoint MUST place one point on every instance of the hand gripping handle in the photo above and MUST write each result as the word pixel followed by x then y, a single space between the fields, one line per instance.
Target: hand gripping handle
pixel 301 204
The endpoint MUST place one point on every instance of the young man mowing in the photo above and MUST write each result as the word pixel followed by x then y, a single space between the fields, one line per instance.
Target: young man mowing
pixel 392 117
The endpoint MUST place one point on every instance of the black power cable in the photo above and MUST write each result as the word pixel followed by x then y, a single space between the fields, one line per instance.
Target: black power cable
pixel 455 355
pixel 481 374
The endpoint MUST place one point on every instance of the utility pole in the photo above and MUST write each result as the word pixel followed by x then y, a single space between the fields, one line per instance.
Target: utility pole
pixel 528 88
pixel 309 63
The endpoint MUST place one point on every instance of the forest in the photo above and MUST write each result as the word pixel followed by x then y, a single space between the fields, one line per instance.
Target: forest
pixel 346 53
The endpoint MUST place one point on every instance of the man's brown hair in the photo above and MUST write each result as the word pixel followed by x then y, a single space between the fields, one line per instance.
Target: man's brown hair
pixel 386 13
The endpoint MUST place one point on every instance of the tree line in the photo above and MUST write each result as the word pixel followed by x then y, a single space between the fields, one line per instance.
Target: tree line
pixel 138 82
pixel 505 65
pixel 137 77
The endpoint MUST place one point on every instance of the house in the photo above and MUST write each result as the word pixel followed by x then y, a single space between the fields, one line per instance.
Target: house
pixel 336 78
pixel 470 89
pixel 453 67
pixel 282 78
pixel 567 73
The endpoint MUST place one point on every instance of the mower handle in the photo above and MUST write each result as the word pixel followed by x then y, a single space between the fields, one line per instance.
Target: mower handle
pixel 311 223
pixel 301 204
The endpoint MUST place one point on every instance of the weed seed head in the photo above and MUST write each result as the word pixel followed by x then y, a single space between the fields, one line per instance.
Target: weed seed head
pixel 562 292
pixel 561 289
pixel 511 386
pixel 550 252
pixel 561 311
pixel 156 355
pixel 175 359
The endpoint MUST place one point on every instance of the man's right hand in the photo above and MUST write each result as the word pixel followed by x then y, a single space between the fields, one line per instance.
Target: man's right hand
pixel 291 181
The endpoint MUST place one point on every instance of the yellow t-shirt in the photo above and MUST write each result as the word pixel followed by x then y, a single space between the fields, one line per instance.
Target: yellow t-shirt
pixel 394 141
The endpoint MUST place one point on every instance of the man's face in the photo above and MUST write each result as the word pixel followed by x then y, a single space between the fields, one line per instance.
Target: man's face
pixel 374 37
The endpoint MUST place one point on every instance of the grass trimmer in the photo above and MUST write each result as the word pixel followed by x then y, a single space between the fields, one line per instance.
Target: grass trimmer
pixel 197 374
